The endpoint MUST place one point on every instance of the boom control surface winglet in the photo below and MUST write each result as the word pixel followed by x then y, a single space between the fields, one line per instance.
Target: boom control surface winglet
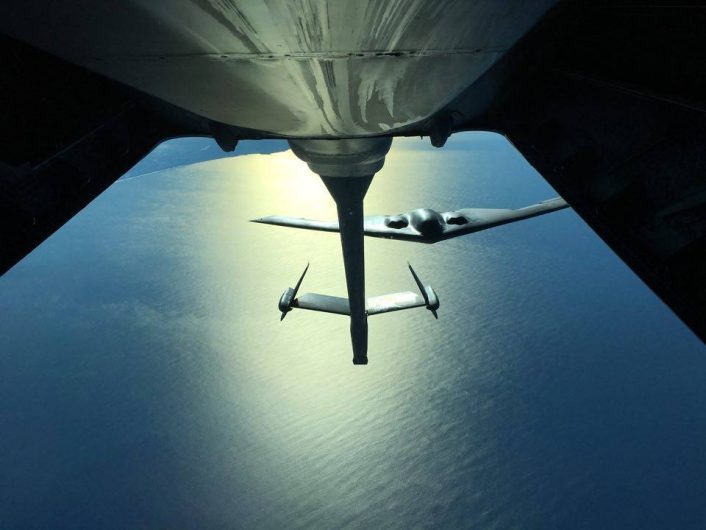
pixel 375 305
pixel 431 299
pixel 288 296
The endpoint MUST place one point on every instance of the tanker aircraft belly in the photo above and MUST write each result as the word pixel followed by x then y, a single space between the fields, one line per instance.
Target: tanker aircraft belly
pixel 312 68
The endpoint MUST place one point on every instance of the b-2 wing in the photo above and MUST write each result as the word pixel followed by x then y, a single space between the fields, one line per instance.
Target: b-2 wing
pixel 425 225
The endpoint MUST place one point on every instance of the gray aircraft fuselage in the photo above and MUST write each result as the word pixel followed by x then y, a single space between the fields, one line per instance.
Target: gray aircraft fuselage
pixel 314 68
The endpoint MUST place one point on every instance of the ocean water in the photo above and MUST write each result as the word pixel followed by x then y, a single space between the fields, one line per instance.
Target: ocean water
pixel 146 381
